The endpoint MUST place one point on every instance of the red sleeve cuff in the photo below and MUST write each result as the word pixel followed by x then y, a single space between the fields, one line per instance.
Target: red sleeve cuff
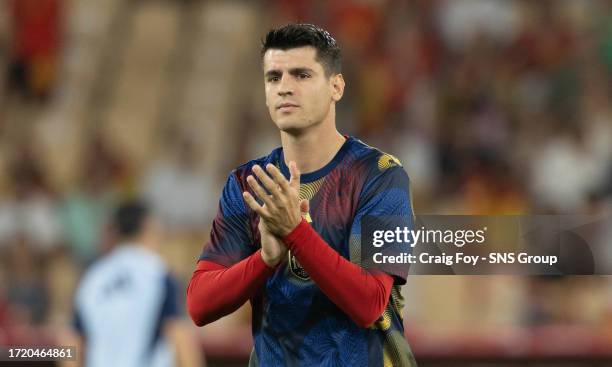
pixel 261 265
pixel 300 232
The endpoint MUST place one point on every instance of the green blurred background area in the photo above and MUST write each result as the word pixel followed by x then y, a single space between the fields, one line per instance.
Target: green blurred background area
pixel 493 107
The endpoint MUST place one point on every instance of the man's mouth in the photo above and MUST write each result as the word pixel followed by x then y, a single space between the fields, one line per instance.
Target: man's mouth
pixel 287 106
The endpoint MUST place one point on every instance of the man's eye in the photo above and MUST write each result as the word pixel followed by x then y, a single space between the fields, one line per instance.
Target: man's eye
pixel 273 79
pixel 303 76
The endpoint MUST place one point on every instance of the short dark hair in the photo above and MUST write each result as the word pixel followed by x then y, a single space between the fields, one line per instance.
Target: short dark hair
pixel 300 35
pixel 130 217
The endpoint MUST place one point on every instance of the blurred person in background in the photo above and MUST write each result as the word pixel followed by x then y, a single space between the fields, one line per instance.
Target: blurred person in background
pixel 87 207
pixel 35 46
pixel 178 190
pixel 126 306
pixel 30 210
pixel 295 257
pixel 26 293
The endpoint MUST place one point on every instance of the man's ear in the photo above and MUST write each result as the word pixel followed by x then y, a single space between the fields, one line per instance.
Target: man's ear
pixel 337 82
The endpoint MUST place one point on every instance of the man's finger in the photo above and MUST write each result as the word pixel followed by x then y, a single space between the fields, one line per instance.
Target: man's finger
pixel 267 181
pixel 304 206
pixel 295 175
pixel 278 177
pixel 259 191
pixel 253 204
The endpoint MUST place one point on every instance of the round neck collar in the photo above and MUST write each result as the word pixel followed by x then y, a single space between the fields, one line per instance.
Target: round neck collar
pixel 317 174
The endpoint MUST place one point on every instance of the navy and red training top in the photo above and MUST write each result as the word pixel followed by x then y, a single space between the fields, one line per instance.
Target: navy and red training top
pixel 320 307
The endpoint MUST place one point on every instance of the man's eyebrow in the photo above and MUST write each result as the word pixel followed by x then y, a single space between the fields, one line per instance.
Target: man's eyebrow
pixel 273 72
pixel 296 71
pixel 293 71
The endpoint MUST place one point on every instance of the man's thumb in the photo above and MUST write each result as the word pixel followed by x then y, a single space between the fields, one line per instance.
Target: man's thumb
pixel 304 206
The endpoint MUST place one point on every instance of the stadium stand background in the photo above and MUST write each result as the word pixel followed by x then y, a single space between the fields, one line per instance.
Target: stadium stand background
pixel 494 107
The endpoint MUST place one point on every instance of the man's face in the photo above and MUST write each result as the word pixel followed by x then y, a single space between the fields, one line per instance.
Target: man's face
pixel 298 93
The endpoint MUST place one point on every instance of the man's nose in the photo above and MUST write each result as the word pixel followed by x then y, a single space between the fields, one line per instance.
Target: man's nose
pixel 286 86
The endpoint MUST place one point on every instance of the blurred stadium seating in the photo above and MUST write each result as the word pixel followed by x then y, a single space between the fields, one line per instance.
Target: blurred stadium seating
pixel 494 107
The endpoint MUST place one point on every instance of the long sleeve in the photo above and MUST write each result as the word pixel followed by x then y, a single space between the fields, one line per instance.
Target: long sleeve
pixel 362 294
pixel 215 290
